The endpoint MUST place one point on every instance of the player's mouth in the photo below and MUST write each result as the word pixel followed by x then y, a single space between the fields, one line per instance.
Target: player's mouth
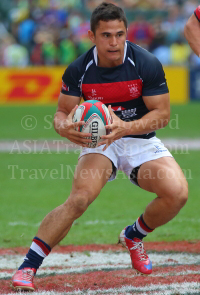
pixel 113 51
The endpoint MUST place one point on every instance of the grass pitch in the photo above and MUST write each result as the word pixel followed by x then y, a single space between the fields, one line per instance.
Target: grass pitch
pixel 35 122
pixel 27 196
pixel 29 192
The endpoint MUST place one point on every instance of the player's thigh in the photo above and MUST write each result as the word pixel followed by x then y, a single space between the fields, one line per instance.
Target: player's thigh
pixel 162 176
pixel 92 173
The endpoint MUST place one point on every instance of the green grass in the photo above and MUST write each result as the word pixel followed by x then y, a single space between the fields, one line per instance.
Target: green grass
pixel 184 122
pixel 28 197
pixel 28 200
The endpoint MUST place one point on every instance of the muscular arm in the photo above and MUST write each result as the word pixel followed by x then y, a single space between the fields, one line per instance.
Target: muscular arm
pixel 192 34
pixel 63 120
pixel 158 117
pixel 65 105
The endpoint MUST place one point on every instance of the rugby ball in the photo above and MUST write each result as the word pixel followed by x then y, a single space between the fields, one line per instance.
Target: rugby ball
pixel 96 116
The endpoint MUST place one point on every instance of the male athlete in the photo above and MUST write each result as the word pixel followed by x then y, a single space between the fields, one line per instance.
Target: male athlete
pixel 131 82
pixel 192 31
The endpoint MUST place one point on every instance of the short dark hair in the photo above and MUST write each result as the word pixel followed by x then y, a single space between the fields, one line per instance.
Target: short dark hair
pixel 106 12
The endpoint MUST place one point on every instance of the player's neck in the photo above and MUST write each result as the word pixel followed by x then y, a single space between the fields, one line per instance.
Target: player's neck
pixel 104 63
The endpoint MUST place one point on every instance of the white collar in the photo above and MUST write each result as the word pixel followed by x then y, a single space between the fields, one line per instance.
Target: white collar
pixel 96 54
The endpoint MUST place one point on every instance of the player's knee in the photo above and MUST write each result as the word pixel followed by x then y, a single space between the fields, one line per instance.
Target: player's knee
pixel 184 193
pixel 177 194
pixel 80 200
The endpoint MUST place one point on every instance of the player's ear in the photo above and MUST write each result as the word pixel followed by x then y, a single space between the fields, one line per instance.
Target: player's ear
pixel 91 36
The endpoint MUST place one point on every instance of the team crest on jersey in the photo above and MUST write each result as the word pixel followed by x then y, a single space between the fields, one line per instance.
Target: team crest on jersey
pixel 94 93
pixel 65 87
pixel 134 90
pixel 129 113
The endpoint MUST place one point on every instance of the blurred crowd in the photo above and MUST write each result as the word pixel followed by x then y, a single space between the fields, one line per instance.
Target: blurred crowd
pixel 54 32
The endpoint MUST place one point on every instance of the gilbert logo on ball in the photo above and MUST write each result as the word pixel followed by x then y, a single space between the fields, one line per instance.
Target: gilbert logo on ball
pixel 96 116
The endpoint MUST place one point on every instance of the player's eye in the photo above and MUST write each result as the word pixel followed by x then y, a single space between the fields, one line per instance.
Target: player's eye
pixel 106 35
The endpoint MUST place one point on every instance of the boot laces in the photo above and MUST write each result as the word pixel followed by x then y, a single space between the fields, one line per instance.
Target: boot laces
pixel 27 275
pixel 140 250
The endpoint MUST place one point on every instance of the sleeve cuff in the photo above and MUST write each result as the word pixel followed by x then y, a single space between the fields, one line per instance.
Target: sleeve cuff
pixel 154 92
pixel 197 13
pixel 72 93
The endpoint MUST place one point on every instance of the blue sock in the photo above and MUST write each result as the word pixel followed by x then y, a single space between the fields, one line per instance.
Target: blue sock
pixel 36 254
pixel 138 230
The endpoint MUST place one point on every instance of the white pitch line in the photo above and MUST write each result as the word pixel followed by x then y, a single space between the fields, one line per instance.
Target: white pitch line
pixel 89 222
pixel 157 289
pixel 100 259
pixel 97 221
pixel 46 146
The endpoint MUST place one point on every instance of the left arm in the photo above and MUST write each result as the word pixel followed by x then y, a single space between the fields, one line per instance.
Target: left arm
pixel 192 33
pixel 158 117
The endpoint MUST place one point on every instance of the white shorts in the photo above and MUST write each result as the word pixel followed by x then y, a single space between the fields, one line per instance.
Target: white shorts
pixel 128 153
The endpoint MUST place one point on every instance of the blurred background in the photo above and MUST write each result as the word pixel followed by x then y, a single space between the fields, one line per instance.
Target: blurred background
pixel 41 32
pixel 38 40
pixel 53 33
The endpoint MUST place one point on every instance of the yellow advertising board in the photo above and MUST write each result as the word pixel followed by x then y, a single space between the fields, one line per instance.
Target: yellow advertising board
pixel 178 83
pixel 34 85
pixel 41 85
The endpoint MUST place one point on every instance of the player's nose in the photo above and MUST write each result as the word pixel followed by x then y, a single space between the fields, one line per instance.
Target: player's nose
pixel 113 41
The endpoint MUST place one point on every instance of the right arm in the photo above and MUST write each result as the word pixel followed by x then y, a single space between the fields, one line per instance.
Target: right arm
pixel 192 31
pixel 63 124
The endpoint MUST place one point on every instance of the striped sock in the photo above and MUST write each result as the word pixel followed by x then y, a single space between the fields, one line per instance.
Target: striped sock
pixel 138 230
pixel 36 254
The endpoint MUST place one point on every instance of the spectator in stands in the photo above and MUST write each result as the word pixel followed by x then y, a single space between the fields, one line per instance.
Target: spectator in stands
pixel 189 7
pixel 179 53
pixel 44 27
pixel 162 52
pixel 36 53
pixel 50 49
pixel 141 32
pixel 26 31
pixel 67 51
pixel 159 33
pixel 15 55
pixel 174 25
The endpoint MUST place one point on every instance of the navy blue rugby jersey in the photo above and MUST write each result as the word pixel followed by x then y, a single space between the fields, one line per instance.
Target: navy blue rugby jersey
pixel 140 74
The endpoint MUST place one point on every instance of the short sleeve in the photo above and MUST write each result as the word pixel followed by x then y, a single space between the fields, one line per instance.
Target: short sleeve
pixel 153 76
pixel 71 81
pixel 197 13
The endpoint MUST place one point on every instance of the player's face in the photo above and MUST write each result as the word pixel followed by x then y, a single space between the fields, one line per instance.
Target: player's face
pixel 110 39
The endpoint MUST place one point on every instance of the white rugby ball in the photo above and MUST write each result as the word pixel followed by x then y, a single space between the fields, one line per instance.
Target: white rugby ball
pixel 96 116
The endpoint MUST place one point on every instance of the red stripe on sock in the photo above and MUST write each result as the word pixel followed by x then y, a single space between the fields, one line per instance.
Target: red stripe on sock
pixel 143 226
pixel 42 246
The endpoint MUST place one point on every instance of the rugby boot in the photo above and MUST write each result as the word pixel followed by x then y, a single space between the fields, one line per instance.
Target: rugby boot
pixel 140 260
pixel 23 279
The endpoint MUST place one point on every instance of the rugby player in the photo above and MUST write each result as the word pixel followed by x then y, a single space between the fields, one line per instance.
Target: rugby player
pixel 192 31
pixel 131 82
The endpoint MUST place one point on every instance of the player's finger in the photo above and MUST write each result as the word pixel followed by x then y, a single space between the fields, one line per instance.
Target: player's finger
pixel 106 146
pixel 109 136
pixel 111 111
pixel 111 126
pixel 71 114
pixel 82 135
pixel 77 124
pixel 101 143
